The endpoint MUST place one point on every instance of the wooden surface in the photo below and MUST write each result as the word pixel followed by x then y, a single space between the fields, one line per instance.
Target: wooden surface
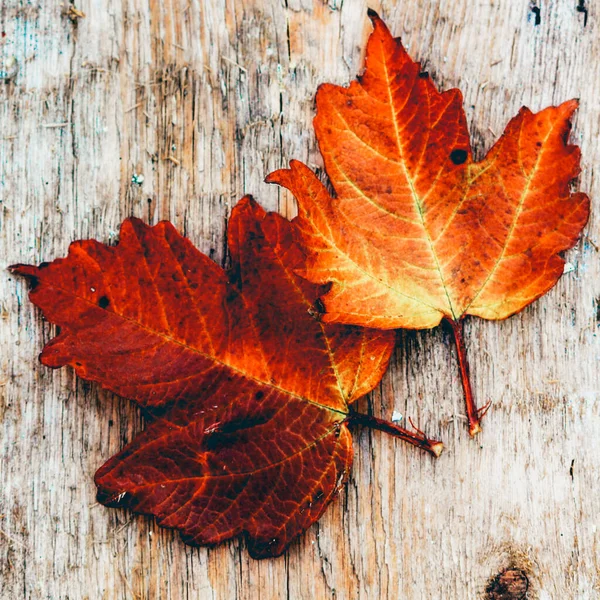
pixel 203 98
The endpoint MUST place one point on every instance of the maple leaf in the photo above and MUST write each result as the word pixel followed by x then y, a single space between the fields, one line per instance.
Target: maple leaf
pixel 247 393
pixel 418 231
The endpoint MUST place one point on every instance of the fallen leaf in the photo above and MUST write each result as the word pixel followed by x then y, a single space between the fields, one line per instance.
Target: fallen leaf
pixel 418 231
pixel 247 393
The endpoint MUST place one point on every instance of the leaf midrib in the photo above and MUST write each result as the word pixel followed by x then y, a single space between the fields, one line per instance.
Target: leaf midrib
pixel 305 448
pixel 309 305
pixel 170 339
pixel 410 182
pixel 518 212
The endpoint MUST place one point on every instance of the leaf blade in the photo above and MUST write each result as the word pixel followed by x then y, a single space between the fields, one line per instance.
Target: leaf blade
pixel 244 386
pixel 417 231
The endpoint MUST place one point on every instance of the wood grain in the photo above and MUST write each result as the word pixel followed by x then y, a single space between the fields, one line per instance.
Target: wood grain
pixel 203 98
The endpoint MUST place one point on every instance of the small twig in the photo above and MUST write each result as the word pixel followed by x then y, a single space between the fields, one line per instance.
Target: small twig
pixel 74 13
pixel 229 60
pixel 419 431
pixel 172 159
pixel 458 418
pixel 95 69
pixel 12 539
pixel 481 412
pixel 587 237
pixel 134 107
pixel 117 531
pixel 50 125
pixel 126 581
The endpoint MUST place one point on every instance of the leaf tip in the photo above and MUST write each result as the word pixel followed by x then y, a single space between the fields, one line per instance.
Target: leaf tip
pixel 284 177
pixel 46 359
pixel 246 202
pixel 131 223
pixel 274 176
pixel 380 31
pixel 110 498
pixel 247 207
pixel 569 107
pixel 30 271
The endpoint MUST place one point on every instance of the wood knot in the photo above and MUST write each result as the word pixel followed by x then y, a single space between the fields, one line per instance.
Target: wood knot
pixel 510 584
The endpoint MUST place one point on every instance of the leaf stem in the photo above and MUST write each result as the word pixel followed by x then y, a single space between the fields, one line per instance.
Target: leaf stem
pixel 416 437
pixel 474 414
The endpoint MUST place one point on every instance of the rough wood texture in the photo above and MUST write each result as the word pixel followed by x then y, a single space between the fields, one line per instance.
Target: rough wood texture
pixel 203 98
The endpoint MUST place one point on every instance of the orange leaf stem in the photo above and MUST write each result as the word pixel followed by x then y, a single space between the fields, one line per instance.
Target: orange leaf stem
pixel 474 414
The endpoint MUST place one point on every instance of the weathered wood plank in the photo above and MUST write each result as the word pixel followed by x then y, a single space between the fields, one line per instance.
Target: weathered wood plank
pixel 203 98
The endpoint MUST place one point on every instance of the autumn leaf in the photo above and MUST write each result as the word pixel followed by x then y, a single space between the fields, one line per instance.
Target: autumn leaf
pixel 248 395
pixel 418 231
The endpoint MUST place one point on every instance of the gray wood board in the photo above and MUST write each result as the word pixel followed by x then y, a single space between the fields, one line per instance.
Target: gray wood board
pixel 203 98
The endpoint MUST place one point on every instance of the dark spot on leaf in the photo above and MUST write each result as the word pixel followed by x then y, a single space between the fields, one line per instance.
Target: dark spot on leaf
pixel 319 494
pixel 458 156
pixel 44 265
pixel 226 435
pixel 103 302
pixel 231 295
pixel 319 306
pixel 423 75
pixel 259 395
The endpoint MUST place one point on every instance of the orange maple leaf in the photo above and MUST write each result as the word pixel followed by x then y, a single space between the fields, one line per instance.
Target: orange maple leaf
pixel 418 231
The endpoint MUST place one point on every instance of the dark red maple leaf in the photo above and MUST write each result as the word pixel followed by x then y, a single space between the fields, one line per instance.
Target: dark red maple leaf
pixel 248 395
